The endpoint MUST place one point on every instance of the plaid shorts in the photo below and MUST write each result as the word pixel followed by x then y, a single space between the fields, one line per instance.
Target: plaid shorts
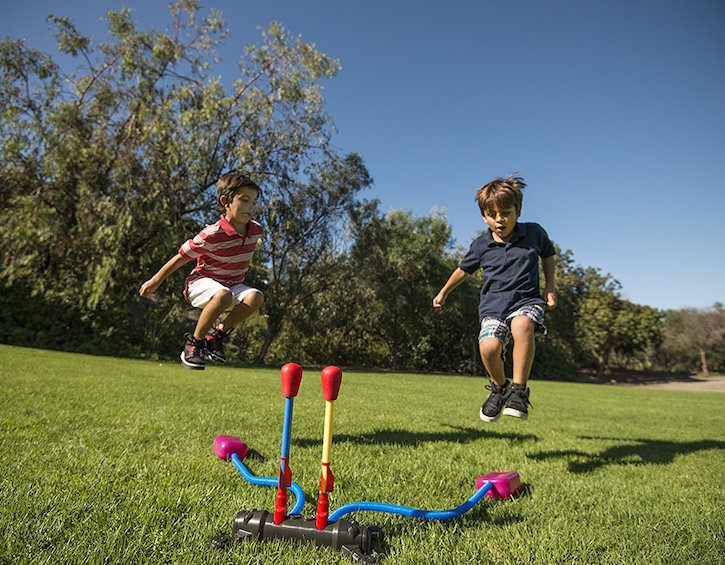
pixel 501 329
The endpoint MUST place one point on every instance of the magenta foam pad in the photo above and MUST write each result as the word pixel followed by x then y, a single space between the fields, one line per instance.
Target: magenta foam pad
pixel 224 446
pixel 505 483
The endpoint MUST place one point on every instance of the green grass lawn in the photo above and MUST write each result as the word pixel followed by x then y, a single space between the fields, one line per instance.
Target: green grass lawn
pixel 110 461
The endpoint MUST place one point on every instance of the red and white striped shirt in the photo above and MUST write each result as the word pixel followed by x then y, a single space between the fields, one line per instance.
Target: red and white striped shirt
pixel 221 252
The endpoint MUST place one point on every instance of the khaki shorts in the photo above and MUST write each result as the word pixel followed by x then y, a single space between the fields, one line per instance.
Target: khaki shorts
pixel 200 291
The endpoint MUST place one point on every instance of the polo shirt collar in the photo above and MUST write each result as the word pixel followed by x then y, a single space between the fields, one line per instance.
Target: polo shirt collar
pixel 228 228
pixel 519 233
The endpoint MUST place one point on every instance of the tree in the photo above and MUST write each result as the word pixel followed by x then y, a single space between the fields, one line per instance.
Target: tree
pixel 374 305
pixel 302 221
pixel 404 261
pixel 696 339
pixel 598 309
pixel 608 326
pixel 638 333
pixel 116 162
pixel 560 352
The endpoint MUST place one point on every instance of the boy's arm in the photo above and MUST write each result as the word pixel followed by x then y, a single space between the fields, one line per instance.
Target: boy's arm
pixel 547 264
pixel 454 280
pixel 171 266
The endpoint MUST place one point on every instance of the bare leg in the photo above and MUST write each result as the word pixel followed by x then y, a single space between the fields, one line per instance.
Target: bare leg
pixel 248 306
pixel 491 350
pixel 213 309
pixel 522 330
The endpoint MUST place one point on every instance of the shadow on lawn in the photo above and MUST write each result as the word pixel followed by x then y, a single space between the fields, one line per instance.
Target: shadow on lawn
pixel 635 452
pixel 405 437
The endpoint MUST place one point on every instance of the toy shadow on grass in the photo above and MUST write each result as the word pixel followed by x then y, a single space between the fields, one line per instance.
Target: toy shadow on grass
pixel 405 437
pixel 255 455
pixel 634 452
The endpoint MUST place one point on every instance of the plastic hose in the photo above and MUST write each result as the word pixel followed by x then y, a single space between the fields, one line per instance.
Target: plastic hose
pixel 287 427
pixel 270 482
pixel 413 512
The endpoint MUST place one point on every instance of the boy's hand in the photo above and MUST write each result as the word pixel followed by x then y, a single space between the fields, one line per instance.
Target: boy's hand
pixel 148 288
pixel 439 299
pixel 550 299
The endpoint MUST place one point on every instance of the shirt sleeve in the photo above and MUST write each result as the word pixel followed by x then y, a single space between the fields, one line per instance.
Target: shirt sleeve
pixel 193 248
pixel 472 259
pixel 547 247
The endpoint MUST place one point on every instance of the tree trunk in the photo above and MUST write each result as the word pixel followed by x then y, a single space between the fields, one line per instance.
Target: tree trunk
pixel 602 366
pixel 703 361
pixel 274 328
pixel 268 339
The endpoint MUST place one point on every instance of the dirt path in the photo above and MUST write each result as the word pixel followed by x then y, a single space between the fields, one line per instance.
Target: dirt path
pixel 694 384
pixel 665 381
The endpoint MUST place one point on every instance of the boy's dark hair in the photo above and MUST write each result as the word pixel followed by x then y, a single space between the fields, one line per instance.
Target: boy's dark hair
pixel 501 193
pixel 230 184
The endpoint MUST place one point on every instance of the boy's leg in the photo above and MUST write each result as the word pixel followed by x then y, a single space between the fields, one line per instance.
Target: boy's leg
pixel 490 344
pixel 211 311
pixel 491 353
pixel 194 352
pixel 251 300
pixel 212 298
pixel 248 306
pixel 522 331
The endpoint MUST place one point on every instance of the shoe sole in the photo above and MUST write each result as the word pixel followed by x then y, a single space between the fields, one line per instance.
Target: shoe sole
pixel 515 413
pixel 188 365
pixel 215 359
pixel 488 419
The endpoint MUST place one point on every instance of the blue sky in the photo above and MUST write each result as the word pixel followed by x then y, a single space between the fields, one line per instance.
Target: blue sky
pixel 613 112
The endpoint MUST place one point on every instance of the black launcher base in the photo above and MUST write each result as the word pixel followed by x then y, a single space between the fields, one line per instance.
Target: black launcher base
pixel 348 537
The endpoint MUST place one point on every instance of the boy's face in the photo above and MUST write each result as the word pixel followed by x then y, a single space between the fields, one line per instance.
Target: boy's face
pixel 239 211
pixel 501 222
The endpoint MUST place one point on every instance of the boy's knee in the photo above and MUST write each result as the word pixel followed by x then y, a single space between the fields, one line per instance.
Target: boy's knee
pixel 223 298
pixel 522 326
pixel 254 299
pixel 490 348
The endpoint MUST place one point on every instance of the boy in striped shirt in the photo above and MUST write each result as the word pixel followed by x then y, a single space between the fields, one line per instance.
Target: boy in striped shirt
pixel 216 285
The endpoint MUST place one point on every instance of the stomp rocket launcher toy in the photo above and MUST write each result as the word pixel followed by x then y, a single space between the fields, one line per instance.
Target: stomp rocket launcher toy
pixel 331 379
pixel 325 529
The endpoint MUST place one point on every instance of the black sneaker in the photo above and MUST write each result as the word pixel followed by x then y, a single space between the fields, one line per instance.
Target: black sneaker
pixel 517 402
pixel 192 356
pixel 215 346
pixel 491 409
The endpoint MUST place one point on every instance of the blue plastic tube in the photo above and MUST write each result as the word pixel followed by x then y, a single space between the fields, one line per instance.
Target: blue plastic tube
pixel 286 435
pixel 412 512
pixel 270 482
pixel 287 426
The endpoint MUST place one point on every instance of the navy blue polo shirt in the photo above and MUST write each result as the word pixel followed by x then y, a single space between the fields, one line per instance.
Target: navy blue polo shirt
pixel 510 270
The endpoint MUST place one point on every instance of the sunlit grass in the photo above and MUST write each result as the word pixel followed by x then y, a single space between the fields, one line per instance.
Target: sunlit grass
pixel 110 461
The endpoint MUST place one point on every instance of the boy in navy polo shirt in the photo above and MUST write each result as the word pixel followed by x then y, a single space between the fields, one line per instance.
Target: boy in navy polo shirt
pixel 511 302
pixel 222 252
